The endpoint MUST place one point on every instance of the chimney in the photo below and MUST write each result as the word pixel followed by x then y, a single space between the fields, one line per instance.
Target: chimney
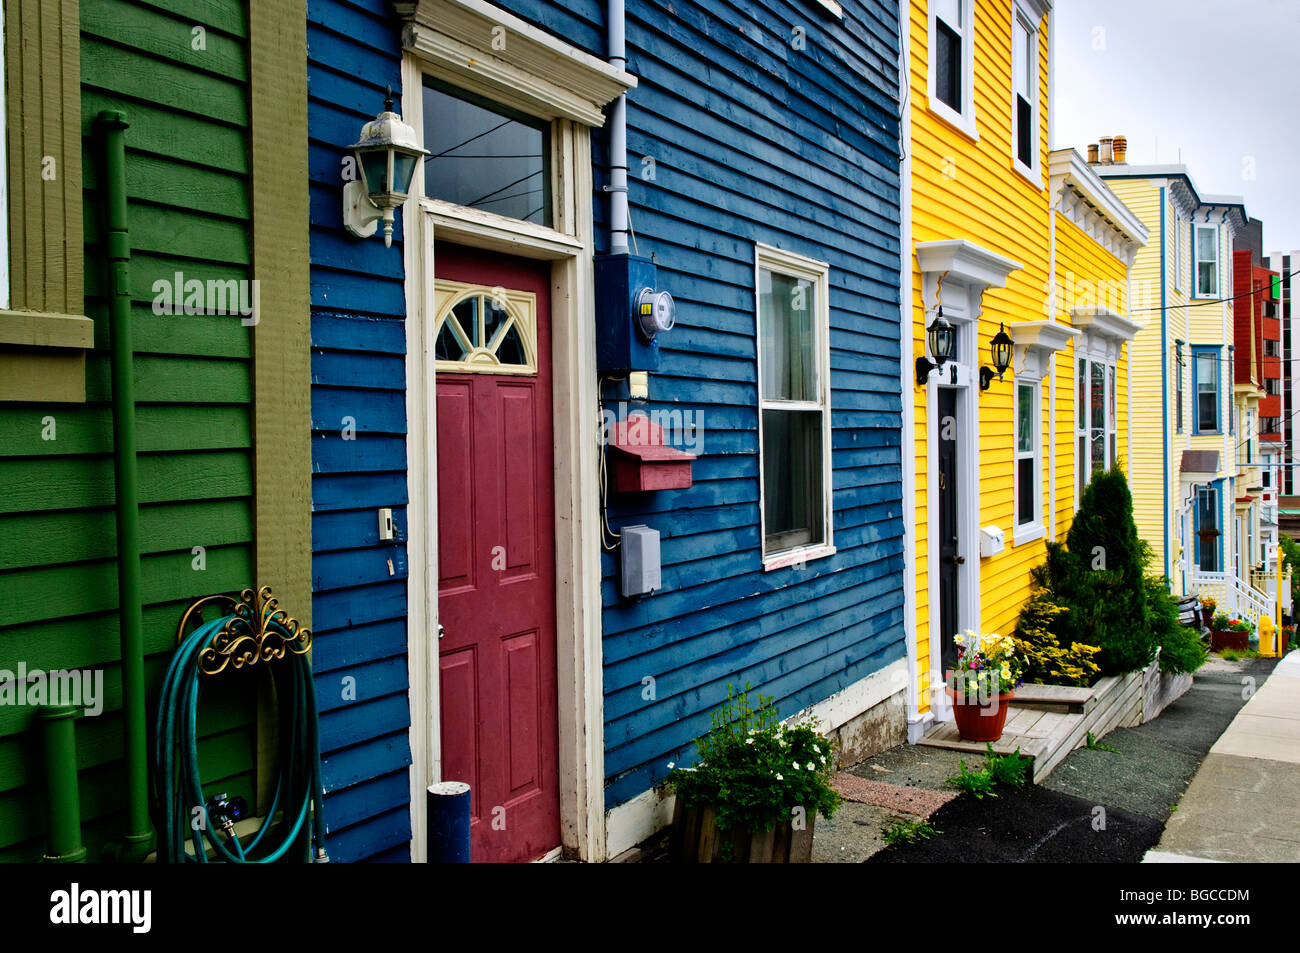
pixel 1119 147
pixel 1092 154
pixel 1105 150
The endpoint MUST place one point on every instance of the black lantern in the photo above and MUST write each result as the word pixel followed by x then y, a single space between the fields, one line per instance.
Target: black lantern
pixel 942 338
pixel 1001 348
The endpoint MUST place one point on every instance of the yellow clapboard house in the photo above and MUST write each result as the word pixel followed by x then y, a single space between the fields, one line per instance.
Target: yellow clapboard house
pixel 1002 245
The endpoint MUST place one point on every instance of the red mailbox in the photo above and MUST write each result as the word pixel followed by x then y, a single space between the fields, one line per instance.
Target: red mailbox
pixel 642 459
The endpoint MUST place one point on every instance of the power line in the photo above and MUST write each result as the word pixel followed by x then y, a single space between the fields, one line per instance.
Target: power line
pixel 1206 302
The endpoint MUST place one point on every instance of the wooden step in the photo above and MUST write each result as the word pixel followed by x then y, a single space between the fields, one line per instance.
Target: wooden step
pixel 1058 698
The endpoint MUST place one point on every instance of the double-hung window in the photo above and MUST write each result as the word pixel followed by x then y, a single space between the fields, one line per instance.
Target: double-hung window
pixel 1024 89
pixel 952 61
pixel 1178 385
pixel 1208 532
pixel 1207 261
pixel 1096 430
pixel 1029 457
pixel 794 405
pixel 1205 385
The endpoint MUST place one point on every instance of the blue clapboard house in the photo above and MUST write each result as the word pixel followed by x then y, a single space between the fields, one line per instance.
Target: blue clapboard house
pixel 615 421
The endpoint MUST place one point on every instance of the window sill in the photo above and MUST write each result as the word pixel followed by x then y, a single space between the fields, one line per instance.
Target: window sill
pixel 965 124
pixel 793 557
pixel 1027 533
pixel 43 356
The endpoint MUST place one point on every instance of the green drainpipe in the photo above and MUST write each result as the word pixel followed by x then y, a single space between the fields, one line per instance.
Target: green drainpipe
pixel 59 732
pixel 137 841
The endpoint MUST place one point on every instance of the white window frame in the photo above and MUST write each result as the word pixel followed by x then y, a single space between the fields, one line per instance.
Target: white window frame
pixel 1036 528
pixel 1196 261
pixel 795 265
pixel 1110 422
pixel 1021 12
pixel 963 119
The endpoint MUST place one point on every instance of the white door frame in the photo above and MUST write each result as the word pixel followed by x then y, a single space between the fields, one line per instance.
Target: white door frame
pixel 564 98
pixel 961 305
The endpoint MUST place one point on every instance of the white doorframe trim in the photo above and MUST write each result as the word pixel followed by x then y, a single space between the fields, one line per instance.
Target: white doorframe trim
pixel 569 248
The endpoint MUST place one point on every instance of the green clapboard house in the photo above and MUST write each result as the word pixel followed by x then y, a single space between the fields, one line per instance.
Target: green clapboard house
pixel 214 93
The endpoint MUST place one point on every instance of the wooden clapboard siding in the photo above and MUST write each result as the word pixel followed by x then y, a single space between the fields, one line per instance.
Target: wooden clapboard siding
pixel 754 141
pixel 358 345
pixel 189 209
pixel 971 190
pixel 1153 423
pixel 1088 274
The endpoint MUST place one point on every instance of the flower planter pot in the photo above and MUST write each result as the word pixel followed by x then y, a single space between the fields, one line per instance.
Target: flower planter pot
pixel 1206 616
pixel 980 722
pixel 1221 639
pixel 695 840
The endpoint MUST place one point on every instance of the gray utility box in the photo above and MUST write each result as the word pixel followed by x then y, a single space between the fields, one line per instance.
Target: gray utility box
pixel 641 574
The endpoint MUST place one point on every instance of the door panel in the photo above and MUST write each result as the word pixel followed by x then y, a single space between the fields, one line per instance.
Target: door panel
pixel 949 544
pixel 496 598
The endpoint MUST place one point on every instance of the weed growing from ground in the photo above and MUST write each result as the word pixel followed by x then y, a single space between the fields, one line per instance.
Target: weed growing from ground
pixel 1095 745
pixel 908 832
pixel 1012 769
pixel 978 783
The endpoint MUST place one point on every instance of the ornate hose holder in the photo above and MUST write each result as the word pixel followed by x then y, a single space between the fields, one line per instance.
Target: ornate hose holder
pixel 258 631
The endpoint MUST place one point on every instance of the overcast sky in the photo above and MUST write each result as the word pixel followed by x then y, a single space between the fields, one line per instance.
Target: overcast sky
pixel 1217 79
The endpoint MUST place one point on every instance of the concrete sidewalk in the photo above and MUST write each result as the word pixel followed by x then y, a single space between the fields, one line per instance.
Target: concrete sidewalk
pixel 1243 805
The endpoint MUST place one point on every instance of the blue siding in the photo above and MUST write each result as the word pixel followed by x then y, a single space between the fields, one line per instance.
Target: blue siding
pixel 358 371
pixel 754 141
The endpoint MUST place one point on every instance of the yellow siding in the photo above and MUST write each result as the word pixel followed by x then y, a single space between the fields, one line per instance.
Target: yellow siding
pixel 968 189
pixel 972 190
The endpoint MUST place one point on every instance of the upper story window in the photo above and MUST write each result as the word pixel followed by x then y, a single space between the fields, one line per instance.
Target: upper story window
pixel 1207 261
pixel 485 157
pixel 1178 386
pixel 952 62
pixel 1024 88
pixel 794 405
pixel 1205 384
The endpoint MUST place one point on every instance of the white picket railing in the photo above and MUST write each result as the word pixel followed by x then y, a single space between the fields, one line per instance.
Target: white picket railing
pixel 1233 595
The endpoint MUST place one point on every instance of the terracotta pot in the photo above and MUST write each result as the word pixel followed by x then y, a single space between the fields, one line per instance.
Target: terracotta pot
pixel 1206 616
pixel 980 722
pixel 1221 639
pixel 694 839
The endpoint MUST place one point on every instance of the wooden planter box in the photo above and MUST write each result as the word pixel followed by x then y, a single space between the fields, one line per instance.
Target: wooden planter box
pixel 1221 639
pixel 694 840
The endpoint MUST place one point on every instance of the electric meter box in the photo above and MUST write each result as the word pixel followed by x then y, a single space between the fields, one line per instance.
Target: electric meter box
pixel 641 569
pixel 992 541
pixel 621 345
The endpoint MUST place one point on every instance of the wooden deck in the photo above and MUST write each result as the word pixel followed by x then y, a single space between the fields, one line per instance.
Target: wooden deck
pixel 1047 722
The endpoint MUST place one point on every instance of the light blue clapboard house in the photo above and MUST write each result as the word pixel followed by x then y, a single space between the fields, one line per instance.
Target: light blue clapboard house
pixel 627 381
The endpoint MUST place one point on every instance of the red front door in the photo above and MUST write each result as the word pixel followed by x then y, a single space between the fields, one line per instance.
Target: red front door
pixel 496 550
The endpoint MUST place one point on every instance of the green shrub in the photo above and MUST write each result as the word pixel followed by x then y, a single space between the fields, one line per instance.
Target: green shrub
pixel 1181 649
pixel 1291 561
pixel 1097 574
pixel 1045 661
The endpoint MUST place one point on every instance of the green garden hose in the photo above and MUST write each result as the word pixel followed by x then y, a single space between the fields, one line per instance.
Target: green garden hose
pixel 179 786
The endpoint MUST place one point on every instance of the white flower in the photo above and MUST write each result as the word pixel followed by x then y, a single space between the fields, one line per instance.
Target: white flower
pixel 795 764
pixel 823 759
pixel 670 765
pixel 749 741
pixel 779 777
pixel 810 766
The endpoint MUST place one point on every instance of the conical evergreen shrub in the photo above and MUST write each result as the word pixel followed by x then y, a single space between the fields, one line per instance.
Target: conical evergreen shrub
pixel 1098 576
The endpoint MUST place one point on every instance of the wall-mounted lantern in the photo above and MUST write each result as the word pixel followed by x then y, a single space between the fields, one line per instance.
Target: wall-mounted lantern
pixel 386 154
pixel 942 338
pixel 1000 347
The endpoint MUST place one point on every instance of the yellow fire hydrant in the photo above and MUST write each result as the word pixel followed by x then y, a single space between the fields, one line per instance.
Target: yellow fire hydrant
pixel 1267 637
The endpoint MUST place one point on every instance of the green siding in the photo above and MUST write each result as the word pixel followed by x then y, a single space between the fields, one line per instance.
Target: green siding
pixel 189 192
